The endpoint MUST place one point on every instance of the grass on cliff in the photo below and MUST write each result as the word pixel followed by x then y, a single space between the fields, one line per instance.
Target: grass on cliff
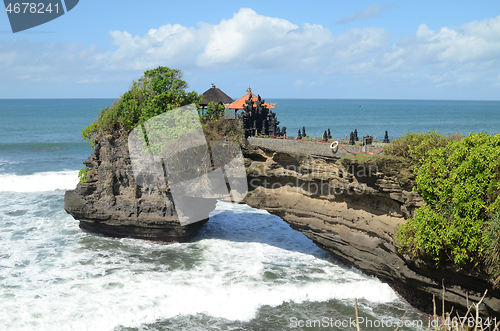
pixel 459 180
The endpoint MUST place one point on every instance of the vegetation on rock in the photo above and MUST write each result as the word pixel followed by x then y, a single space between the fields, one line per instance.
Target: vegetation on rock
pixel 157 91
pixel 412 147
pixel 82 175
pixel 459 179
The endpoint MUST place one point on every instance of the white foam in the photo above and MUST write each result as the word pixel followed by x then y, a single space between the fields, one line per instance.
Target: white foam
pixel 56 277
pixel 39 182
pixel 7 162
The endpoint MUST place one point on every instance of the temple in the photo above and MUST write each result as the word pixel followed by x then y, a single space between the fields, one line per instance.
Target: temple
pixel 257 119
pixel 241 102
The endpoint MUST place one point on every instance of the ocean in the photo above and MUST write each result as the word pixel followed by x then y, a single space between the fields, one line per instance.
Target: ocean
pixel 397 117
pixel 245 270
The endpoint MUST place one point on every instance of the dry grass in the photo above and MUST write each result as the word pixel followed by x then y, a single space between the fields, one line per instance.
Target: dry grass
pixel 471 321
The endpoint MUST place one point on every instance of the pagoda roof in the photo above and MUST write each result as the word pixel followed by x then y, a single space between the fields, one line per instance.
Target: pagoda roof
pixel 216 95
pixel 240 103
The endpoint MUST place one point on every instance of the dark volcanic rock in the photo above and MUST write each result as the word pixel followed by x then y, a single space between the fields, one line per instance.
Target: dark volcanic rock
pixel 352 209
pixel 111 203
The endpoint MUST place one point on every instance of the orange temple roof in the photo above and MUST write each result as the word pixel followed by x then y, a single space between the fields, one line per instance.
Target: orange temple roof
pixel 239 103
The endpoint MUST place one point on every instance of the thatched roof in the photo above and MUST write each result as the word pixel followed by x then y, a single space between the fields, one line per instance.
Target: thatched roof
pixel 216 95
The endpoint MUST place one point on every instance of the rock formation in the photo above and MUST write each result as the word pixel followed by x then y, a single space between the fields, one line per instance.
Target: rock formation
pixel 111 203
pixel 352 207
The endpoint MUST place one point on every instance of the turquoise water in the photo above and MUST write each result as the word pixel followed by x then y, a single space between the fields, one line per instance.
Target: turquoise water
pixel 374 117
pixel 246 270
pixel 44 135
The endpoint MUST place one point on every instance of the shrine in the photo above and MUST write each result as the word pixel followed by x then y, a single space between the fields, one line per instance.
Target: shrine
pixel 256 117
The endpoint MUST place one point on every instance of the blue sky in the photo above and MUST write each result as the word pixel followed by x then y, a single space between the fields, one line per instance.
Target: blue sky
pixel 282 49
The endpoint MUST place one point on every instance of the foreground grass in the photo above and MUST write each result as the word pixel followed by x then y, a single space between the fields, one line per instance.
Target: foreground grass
pixel 450 321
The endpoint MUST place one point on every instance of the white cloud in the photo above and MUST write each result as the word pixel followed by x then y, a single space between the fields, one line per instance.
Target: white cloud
pixel 241 36
pixel 249 41
pixel 174 43
pixel 369 12
pixel 462 55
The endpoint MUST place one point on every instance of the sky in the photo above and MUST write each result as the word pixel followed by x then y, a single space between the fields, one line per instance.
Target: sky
pixel 444 50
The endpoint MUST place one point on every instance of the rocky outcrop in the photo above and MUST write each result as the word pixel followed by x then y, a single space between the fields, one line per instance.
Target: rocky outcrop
pixel 111 202
pixel 352 208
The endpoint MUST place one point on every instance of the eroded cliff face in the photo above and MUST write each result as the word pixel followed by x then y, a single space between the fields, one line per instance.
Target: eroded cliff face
pixel 113 204
pixel 349 207
pixel 353 208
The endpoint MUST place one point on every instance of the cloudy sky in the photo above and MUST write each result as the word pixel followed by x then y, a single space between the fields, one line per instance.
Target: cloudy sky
pixel 283 49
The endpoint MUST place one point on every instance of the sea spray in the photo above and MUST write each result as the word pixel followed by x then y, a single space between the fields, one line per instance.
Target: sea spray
pixel 56 277
pixel 39 182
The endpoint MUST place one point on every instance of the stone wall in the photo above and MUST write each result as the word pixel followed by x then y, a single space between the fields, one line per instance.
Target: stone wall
pixel 309 147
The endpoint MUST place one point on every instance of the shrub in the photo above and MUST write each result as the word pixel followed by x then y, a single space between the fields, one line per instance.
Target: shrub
pixel 157 91
pixel 493 242
pixel 460 183
pixel 213 111
pixel 414 146
pixel 82 175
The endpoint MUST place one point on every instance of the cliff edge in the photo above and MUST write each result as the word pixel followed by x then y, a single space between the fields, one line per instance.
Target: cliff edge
pixel 352 207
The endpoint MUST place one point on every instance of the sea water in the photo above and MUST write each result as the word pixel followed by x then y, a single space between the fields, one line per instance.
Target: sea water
pixel 245 270
pixel 397 117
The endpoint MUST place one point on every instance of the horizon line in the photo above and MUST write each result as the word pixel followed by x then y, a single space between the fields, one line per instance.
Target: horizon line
pixel 282 98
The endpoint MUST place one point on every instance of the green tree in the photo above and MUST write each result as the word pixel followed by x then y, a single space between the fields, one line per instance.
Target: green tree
pixel 213 112
pixel 157 91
